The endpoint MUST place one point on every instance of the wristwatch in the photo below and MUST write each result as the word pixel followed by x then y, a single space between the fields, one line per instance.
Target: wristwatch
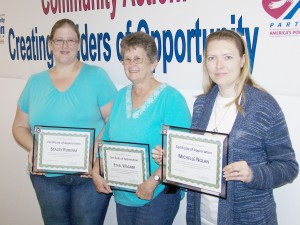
pixel 157 178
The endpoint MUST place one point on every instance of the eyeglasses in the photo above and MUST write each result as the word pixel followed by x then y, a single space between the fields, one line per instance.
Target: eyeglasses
pixel 60 42
pixel 136 60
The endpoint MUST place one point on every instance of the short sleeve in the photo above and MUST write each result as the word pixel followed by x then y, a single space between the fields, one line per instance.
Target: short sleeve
pixel 176 110
pixel 106 91
pixel 23 101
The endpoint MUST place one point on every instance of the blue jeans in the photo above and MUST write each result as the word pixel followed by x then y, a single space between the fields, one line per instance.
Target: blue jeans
pixel 69 200
pixel 159 211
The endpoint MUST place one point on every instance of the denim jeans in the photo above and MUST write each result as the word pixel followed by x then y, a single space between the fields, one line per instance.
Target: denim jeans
pixel 159 211
pixel 69 200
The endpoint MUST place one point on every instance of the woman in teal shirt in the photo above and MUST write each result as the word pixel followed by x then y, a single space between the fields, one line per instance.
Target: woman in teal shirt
pixel 139 111
pixel 71 94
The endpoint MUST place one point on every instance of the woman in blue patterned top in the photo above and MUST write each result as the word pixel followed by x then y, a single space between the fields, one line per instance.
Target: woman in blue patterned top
pixel 71 94
pixel 261 156
pixel 138 113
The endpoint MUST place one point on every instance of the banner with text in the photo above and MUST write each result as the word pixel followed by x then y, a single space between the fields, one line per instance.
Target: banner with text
pixel 271 29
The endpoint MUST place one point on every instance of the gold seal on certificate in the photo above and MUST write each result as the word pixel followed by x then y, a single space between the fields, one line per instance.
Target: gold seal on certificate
pixel 125 165
pixel 63 150
pixel 195 159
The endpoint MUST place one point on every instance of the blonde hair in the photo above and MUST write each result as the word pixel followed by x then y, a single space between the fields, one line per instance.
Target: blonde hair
pixel 245 75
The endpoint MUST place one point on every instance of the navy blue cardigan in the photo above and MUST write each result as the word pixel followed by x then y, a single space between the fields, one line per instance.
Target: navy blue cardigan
pixel 261 138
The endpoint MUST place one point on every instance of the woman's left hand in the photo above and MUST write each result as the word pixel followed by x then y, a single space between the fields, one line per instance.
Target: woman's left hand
pixel 238 171
pixel 146 189
pixel 158 153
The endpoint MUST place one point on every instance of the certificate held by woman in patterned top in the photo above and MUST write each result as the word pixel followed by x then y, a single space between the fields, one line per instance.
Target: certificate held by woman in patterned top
pixel 195 160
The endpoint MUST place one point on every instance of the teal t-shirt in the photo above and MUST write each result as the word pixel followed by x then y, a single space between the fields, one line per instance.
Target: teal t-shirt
pixel 78 106
pixel 165 106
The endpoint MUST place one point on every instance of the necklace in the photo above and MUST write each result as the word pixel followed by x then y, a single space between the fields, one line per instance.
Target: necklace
pixel 217 124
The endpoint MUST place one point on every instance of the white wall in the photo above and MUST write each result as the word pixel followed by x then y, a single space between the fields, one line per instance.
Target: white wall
pixel 18 204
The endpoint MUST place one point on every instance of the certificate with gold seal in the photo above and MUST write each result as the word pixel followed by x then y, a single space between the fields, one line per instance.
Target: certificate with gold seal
pixel 63 150
pixel 125 165
pixel 195 160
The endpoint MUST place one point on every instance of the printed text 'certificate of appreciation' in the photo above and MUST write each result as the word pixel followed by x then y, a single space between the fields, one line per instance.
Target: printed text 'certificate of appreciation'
pixel 63 150
pixel 125 165
pixel 195 159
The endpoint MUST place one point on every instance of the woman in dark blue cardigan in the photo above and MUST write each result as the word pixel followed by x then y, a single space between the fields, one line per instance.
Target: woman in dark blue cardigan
pixel 261 156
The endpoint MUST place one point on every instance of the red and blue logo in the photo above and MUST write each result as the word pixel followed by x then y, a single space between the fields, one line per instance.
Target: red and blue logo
pixel 285 17
pixel 276 8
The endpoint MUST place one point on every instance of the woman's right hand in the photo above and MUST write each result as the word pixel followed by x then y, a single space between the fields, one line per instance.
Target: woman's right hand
pixel 158 153
pixel 30 153
pixel 30 164
pixel 100 184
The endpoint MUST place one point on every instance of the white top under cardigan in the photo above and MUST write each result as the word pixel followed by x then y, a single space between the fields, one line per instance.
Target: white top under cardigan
pixel 222 117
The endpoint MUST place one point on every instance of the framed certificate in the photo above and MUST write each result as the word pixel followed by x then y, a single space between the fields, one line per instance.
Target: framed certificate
pixel 195 160
pixel 125 165
pixel 63 150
